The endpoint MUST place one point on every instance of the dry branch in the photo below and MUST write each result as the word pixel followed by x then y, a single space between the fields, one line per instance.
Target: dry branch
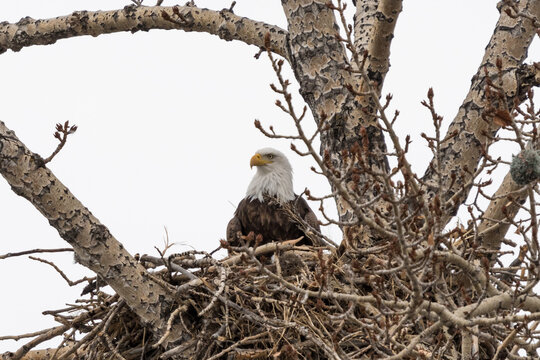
pixel 34 251
pixel 64 276
pixel 225 24
pixel 92 242
pixel 508 45
pixel 269 309
pixel 504 206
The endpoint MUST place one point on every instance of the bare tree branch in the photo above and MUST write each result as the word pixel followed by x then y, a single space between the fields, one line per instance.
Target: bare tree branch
pixel 46 354
pixel 374 25
pixel 64 276
pixel 509 43
pixel 51 333
pixel 92 242
pixel 528 76
pixel 505 205
pixel 320 64
pixel 225 24
pixel 34 251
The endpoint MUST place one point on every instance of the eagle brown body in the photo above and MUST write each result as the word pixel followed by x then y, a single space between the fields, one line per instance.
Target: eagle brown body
pixel 271 220
pixel 270 208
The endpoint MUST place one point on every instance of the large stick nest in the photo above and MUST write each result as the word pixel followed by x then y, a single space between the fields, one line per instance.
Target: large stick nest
pixel 247 306
pixel 276 301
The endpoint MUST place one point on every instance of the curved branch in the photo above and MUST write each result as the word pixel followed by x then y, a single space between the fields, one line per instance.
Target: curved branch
pixel 92 242
pixel 225 24
pixel 509 43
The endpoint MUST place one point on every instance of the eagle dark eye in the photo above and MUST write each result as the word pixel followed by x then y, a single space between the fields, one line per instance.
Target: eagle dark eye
pixel 270 156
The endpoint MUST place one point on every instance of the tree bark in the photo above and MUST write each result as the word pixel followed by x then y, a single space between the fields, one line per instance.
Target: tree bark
pixel 320 65
pixel 504 206
pixel 461 155
pixel 374 24
pixel 225 24
pixel 92 242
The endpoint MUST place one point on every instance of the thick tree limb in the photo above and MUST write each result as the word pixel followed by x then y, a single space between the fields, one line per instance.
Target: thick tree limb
pixel 318 58
pixel 92 242
pixel 505 205
pixel 509 43
pixel 320 63
pixel 374 24
pixel 494 227
pixel 225 24
pixel 34 251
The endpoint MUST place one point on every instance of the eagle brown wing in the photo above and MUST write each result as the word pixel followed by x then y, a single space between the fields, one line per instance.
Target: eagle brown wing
pixel 270 220
pixel 234 227
pixel 304 211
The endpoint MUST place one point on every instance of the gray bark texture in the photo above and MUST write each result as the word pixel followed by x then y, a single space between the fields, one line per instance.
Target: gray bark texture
pixel 95 247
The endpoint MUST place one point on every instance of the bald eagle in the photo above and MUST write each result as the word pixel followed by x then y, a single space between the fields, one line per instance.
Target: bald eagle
pixel 270 192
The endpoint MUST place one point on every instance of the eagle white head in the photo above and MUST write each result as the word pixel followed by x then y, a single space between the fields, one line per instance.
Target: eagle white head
pixel 273 177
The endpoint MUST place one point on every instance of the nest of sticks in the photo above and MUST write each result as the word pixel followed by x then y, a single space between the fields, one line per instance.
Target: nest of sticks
pixel 278 301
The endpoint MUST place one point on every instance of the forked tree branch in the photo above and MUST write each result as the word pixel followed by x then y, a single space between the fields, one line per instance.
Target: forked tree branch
pixel 225 24
pixel 92 242
pixel 509 43
pixel 505 203
pixel 321 66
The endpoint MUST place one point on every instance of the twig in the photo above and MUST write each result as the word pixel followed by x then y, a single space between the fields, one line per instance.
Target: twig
pixel 71 283
pixel 34 251
pixel 61 133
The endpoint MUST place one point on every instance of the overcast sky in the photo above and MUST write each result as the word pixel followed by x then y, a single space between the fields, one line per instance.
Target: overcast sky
pixel 166 128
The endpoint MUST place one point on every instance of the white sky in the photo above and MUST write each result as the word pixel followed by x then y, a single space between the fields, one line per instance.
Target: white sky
pixel 166 128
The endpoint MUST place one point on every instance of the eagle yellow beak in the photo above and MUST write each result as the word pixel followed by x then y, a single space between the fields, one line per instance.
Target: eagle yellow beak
pixel 257 160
